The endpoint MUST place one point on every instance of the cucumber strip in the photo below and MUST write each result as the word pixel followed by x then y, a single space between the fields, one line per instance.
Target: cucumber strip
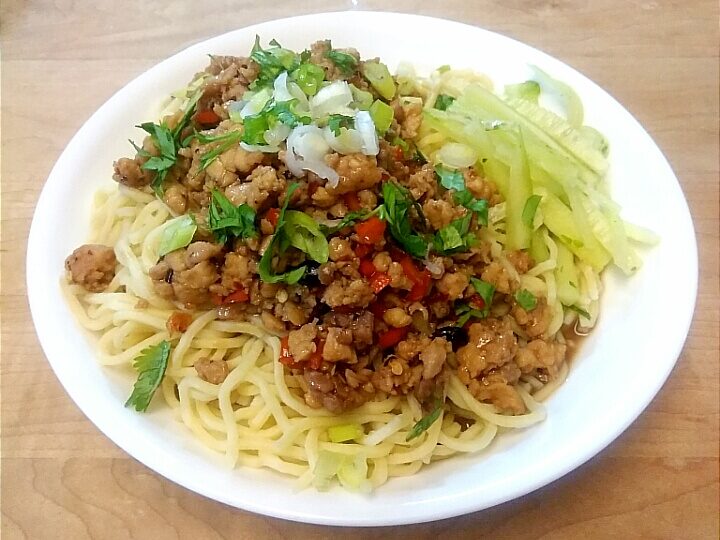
pixel 518 233
pixel 545 125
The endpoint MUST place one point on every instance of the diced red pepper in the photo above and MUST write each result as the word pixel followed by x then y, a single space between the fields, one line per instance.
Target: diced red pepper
pixel 399 154
pixel 272 216
pixel 216 299
pixel 477 301
pixel 370 231
pixel 420 288
pixel 422 279
pixel 315 361
pixel 239 296
pixel 207 117
pixel 285 357
pixel 379 281
pixel 352 201
pixel 363 250
pixel 392 337
pixel 367 268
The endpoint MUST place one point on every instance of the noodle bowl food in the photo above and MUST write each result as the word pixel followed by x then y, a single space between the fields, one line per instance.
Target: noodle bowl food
pixel 344 274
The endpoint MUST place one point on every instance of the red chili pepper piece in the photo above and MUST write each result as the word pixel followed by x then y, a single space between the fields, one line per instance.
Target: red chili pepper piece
pixel 367 268
pixel 420 288
pixel 285 356
pixel 379 281
pixel 477 301
pixel 392 337
pixel 362 250
pixel 239 296
pixel 352 201
pixel 421 279
pixel 315 361
pixel 216 299
pixel 206 117
pixel 370 231
pixel 272 216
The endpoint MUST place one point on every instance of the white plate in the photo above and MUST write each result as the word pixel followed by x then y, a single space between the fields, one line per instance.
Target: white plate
pixel 621 367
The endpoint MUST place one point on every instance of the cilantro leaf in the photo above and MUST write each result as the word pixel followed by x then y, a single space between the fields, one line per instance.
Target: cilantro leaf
pixel 337 121
pixel 151 366
pixel 396 211
pixel 178 234
pixel 227 140
pixel 443 101
pixel 273 113
pixel 528 213
pixel 350 219
pixel 526 299
pixel 226 220
pixel 450 179
pixel 485 290
pixel 272 61
pixel 453 179
pixel 279 241
pixel 466 311
pixel 425 422
pixel 167 141
pixel 304 233
pixel 455 237
pixel 344 61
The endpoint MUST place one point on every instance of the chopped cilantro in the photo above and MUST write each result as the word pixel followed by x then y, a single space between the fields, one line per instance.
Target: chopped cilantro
pixel 455 237
pixel 526 299
pixel 443 101
pixel 344 61
pixel 226 220
pixel 425 422
pixel 151 366
pixel 453 179
pixel 396 211
pixel 338 121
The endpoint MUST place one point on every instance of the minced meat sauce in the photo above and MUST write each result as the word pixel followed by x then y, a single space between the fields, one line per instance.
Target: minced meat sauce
pixel 372 319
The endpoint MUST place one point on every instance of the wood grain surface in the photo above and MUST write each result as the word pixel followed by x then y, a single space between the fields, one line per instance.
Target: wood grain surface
pixel 61 478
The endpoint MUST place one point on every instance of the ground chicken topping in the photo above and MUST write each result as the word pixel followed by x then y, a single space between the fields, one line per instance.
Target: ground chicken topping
pixel 376 268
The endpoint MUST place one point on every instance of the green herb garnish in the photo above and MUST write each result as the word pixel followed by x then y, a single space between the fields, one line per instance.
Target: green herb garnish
pixel 296 229
pixel 425 422
pixel 151 366
pixel 302 232
pixel 526 299
pixel 396 211
pixel 272 61
pixel 349 219
pixel 226 220
pixel 338 121
pixel 443 101
pixel 453 179
pixel 344 61
pixel 167 141
pixel 455 238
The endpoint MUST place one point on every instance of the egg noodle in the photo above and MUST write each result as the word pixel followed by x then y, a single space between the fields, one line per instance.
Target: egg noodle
pixel 257 417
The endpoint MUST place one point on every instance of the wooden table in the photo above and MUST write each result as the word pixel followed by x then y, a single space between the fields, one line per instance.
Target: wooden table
pixel 61 478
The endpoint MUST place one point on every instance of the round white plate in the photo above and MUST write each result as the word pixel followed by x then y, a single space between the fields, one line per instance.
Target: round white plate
pixel 620 368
